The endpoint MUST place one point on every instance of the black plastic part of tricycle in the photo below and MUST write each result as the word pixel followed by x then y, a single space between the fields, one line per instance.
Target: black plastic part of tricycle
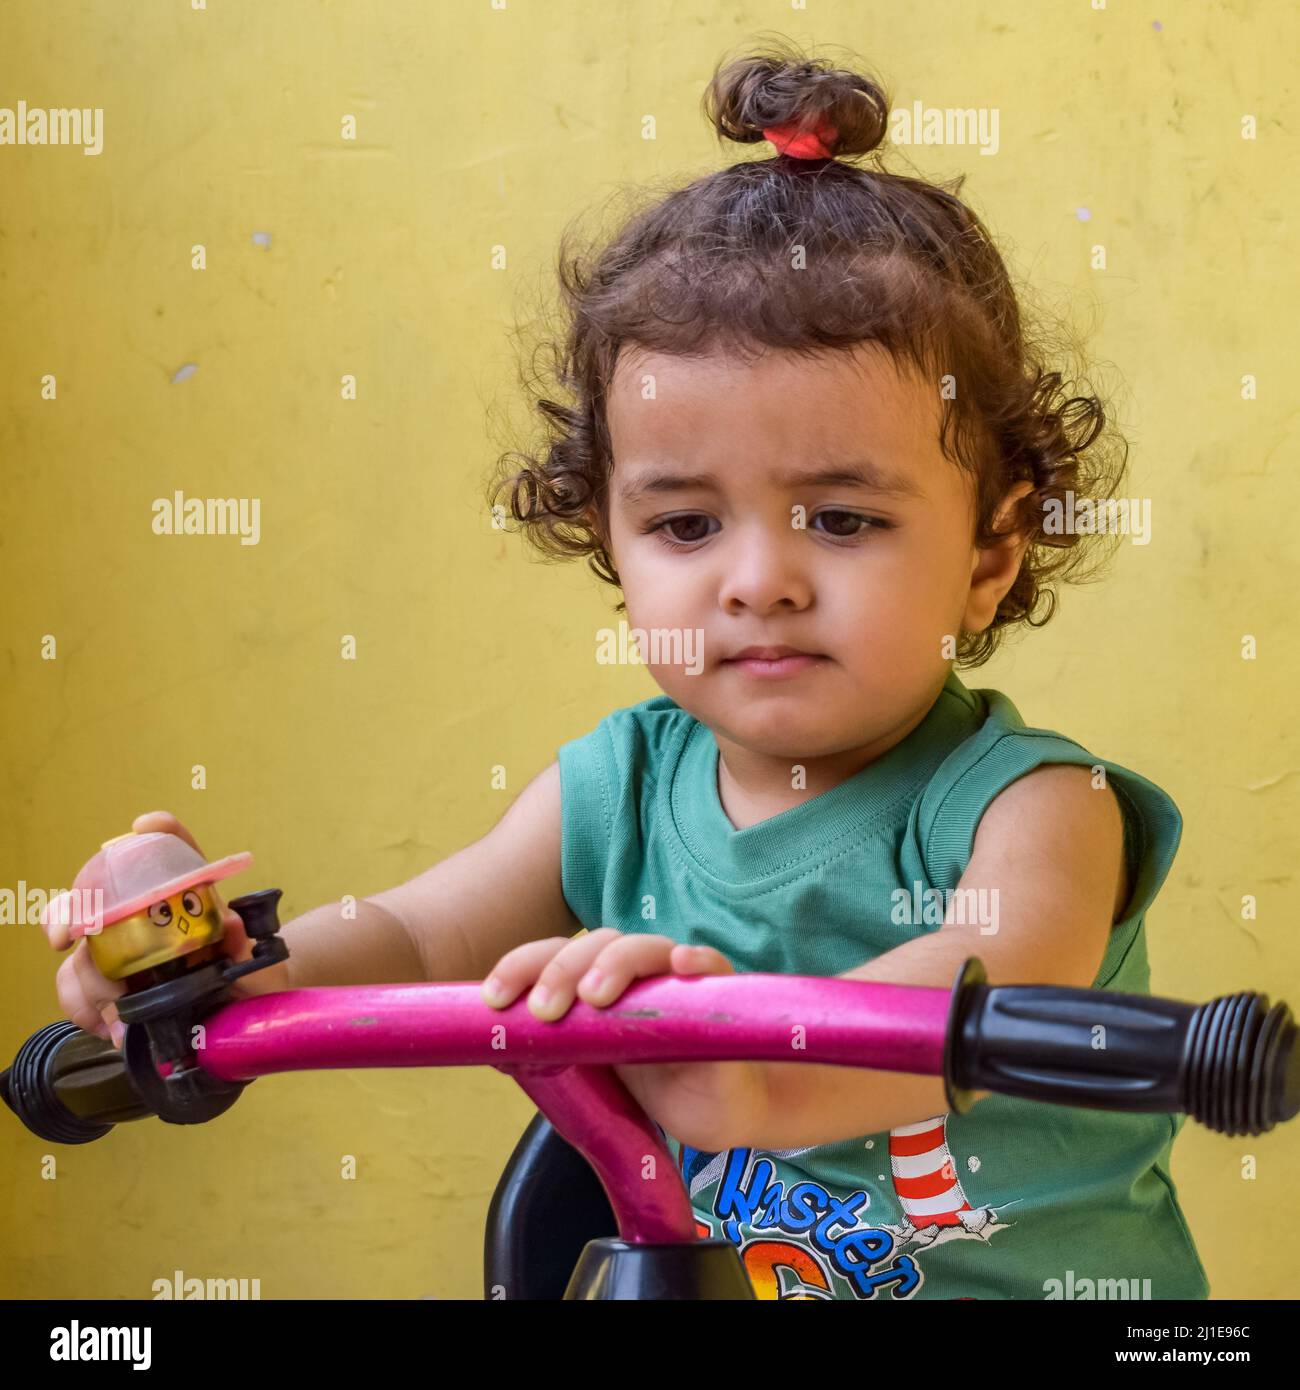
pixel 551 1234
pixel 1233 1064
pixel 69 1087
pixel 704 1269
pixel 547 1205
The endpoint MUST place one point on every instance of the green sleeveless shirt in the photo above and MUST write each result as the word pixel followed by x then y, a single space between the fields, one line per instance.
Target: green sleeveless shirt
pixel 1016 1199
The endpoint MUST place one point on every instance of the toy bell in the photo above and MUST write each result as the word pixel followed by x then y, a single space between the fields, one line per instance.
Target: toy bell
pixel 153 904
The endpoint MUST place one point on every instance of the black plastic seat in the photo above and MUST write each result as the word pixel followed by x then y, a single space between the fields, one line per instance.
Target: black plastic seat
pixel 547 1205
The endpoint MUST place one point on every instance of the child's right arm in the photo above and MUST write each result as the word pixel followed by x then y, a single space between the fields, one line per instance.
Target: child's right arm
pixel 451 922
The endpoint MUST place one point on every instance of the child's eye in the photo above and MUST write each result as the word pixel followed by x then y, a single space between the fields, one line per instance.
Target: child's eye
pixel 689 528
pixel 844 525
pixel 683 530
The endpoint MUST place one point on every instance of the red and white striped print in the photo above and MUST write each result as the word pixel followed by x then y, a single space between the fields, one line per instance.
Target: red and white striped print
pixel 925 1177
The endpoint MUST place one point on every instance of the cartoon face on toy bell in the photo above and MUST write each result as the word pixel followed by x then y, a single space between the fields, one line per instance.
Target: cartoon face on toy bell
pixel 157 903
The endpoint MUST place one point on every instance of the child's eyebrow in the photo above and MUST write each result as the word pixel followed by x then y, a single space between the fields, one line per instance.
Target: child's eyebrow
pixel 863 474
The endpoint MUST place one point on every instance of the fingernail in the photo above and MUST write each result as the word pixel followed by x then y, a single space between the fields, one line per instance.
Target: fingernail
pixel 493 990
pixel 539 997
pixel 593 980
pixel 118 1031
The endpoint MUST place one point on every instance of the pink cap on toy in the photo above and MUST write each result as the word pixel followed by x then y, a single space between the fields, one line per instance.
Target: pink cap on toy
pixel 133 871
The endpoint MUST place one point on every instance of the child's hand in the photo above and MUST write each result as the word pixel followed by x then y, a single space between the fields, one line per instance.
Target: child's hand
pixel 88 998
pixel 702 1104
pixel 596 968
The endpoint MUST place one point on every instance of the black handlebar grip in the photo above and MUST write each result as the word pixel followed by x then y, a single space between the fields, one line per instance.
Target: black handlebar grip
pixel 69 1086
pixel 1231 1064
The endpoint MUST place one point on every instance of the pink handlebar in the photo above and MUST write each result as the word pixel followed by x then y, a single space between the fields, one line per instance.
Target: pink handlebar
pixel 566 1066
pixel 697 1019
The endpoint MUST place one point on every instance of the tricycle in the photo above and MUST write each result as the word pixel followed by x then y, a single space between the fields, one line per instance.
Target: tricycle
pixel 626 1229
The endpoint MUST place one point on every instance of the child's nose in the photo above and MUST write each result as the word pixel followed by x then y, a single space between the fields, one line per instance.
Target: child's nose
pixel 763 572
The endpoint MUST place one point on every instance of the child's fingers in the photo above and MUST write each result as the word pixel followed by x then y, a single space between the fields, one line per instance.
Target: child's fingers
pixel 84 993
pixel 699 960
pixel 56 922
pixel 557 985
pixel 96 987
pixel 74 1004
pixel 551 967
pixel 165 823
pixel 596 968
pixel 626 959
pixel 235 941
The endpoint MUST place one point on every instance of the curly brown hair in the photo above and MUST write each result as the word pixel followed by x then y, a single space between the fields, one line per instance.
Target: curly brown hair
pixel 887 259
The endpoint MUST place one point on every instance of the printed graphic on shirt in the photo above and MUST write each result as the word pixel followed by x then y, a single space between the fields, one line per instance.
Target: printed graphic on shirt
pixel 798 1239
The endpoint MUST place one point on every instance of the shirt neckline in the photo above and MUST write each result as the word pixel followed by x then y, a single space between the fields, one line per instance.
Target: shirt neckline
pixel 803 837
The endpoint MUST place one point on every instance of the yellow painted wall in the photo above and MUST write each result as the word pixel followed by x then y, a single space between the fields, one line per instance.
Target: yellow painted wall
pixel 480 126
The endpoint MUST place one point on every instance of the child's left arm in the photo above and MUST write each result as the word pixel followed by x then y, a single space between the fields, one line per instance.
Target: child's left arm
pixel 1049 845
pixel 1049 850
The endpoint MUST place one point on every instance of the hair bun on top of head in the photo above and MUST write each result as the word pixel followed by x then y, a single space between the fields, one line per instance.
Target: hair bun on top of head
pixel 805 107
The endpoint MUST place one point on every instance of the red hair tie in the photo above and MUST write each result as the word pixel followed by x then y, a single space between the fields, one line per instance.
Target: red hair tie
pixel 800 143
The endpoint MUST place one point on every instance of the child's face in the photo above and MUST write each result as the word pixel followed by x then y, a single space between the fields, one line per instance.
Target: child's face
pixel 871 606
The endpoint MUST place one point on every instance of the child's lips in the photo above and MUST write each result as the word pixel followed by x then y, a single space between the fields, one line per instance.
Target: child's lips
pixel 773 662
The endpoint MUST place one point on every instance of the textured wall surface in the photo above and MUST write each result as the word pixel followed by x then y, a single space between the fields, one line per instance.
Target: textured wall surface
pixel 479 127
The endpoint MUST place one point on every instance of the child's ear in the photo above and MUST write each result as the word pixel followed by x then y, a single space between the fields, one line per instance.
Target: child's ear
pixel 994 568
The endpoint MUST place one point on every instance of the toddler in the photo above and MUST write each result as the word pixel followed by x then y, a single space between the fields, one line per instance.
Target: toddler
pixel 806 435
